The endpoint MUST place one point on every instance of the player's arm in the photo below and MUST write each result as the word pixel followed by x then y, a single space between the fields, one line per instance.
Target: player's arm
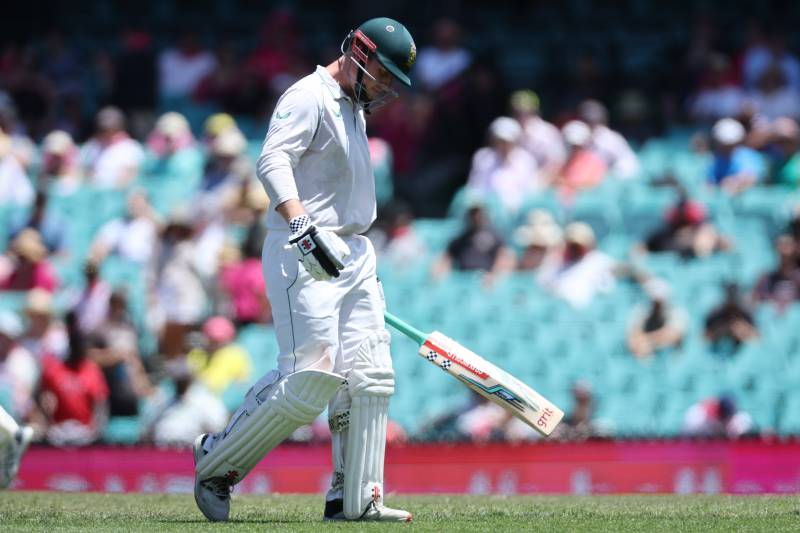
pixel 291 131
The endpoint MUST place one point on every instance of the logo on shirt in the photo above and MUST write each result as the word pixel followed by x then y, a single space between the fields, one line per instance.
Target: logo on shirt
pixel 337 113
pixel 285 115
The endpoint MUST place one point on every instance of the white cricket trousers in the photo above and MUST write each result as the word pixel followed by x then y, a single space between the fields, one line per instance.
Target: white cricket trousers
pixel 320 324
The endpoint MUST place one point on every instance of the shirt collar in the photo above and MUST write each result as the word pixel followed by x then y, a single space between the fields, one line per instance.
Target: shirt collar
pixel 332 84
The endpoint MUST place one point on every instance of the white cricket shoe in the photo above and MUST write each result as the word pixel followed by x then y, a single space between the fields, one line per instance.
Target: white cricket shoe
pixel 213 496
pixel 12 455
pixel 374 513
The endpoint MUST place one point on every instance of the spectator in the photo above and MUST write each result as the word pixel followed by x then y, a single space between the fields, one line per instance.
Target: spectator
pixel 15 187
pixel 730 324
pixel 773 97
pixel 768 52
pixel 395 239
pixel 112 158
pixel 542 139
pixel 61 65
pixel 60 173
pixel 242 284
pixel 224 362
pixel 237 88
pixel 381 159
pixel 193 411
pixel 579 425
pixel 22 147
pixel 45 334
pixel 91 307
pixel 18 369
pixel 181 290
pixel 540 240
pixel 608 143
pixel 279 54
pixel 73 393
pixel 181 68
pixel 133 237
pixel 781 287
pixel 25 265
pixel 657 325
pixel 735 167
pixel 224 173
pixel 173 145
pixel 116 352
pixel 581 271
pixel 478 247
pixel 33 94
pixel 719 95
pixel 585 167
pixel 215 125
pixel 445 59
pixel 687 231
pixel 134 82
pixel 503 168
pixel 51 227
pixel 785 137
pixel 717 418
pixel 484 422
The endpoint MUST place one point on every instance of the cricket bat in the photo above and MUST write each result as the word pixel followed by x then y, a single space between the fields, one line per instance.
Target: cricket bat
pixel 483 377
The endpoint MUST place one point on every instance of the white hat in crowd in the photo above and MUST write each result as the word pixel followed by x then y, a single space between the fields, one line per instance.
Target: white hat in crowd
pixel 579 233
pixel 505 129
pixel 58 142
pixel 728 131
pixel 576 133
pixel 229 143
pixel 172 125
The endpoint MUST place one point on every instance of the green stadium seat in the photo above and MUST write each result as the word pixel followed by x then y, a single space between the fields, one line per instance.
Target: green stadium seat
pixel 122 430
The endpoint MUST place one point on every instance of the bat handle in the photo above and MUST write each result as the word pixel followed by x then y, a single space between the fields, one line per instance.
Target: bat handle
pixel 406 329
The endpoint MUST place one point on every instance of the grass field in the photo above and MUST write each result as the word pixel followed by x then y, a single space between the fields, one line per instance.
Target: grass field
pixel 54 512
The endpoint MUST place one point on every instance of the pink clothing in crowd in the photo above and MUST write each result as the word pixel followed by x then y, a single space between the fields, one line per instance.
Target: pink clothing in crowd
pixel 244 283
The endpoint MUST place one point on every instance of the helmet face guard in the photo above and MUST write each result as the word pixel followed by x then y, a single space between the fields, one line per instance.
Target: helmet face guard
pixel 357 49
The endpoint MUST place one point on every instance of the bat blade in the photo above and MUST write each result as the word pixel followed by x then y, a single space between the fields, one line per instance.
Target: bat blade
pixel 488 380
pixel 492 382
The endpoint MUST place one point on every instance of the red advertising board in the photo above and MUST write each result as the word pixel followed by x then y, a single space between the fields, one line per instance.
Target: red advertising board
pixel 587 468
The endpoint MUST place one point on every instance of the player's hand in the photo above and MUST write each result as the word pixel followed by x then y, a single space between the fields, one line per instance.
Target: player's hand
pixel 322 253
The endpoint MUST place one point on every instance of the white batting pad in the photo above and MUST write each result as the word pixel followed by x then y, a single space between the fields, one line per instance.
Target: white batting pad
pixel 274 407
pixel 370 384
pixel 8 426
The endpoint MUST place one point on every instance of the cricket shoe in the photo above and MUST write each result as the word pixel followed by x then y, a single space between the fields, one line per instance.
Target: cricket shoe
pixel 213 496
pixel 12 455
pixel 334 510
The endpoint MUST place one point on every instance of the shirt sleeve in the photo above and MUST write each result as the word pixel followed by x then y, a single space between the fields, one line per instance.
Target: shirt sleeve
pixel 290 133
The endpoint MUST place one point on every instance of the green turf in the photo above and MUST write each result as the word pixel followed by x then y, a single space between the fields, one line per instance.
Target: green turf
pixel 53 512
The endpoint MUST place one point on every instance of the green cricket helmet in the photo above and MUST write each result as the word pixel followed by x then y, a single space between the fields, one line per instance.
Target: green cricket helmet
pixel 391 44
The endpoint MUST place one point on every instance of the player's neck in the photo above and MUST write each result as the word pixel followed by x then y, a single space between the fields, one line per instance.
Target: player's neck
pixel 336 70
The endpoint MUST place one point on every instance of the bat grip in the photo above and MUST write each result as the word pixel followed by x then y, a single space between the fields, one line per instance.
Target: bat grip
pixel 406 329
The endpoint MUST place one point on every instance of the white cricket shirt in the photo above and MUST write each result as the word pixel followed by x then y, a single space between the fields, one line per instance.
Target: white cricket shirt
pixel 316 151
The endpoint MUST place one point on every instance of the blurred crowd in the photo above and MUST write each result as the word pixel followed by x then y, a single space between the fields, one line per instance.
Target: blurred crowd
pixel 132 232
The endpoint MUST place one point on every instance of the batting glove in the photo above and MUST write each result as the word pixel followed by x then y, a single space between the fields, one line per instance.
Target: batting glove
pixel 321 252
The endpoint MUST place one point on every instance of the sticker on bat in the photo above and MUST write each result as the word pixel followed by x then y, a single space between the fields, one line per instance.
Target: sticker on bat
pixel 503 394
pixel 546 414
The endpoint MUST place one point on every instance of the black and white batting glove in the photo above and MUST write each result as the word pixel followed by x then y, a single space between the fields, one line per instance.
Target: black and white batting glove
pixel 322 253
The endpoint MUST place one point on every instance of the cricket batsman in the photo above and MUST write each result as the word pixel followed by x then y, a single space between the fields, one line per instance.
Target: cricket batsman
pixel 321 282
